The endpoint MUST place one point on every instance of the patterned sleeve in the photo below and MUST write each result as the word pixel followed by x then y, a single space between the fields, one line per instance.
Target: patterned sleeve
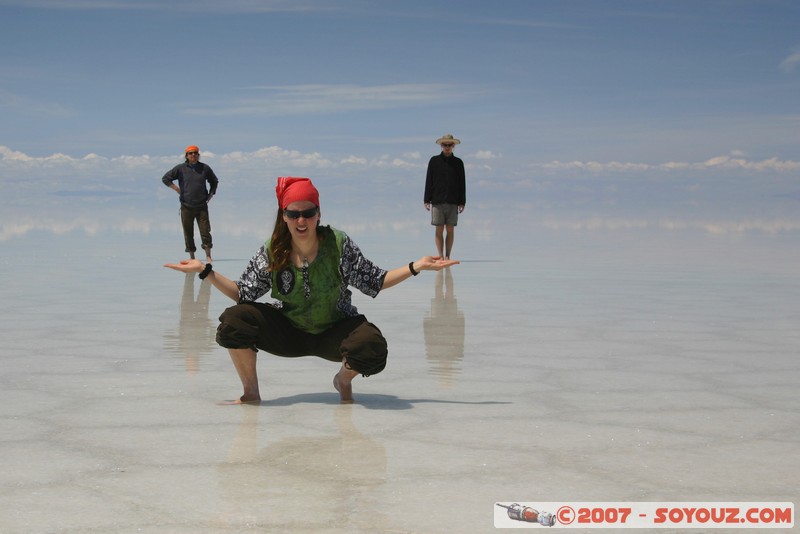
pixel 255 281
pixel 358 271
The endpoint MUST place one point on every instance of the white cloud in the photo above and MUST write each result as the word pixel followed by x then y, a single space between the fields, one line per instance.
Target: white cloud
pixel 594 224
pixel 675 166
pixel 734 227
pixel 385 161
pixel 320 98
pixel 354 160
pixel 53 226
pixel 710 227
pixel 278 159
pixel 791 62
pixel 485 154
pixel 403 164
pixel 728 162
pixel 593 166
pixel 271 157
pixel 6 154
pixel 131 199
pixel 717 162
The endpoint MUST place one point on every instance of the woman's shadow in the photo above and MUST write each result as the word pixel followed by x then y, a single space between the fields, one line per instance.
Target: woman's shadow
pixel 372 401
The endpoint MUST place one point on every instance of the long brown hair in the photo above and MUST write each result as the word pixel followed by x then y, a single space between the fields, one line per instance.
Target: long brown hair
pixel 280 247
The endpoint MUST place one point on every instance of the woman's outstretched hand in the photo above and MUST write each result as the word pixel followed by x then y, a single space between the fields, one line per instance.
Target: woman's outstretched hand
pixel 228 287
pixel 425 263
pixel 433 263
pixel 187 266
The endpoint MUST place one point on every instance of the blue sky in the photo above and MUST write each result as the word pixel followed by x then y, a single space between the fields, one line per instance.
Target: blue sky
pixel 577 107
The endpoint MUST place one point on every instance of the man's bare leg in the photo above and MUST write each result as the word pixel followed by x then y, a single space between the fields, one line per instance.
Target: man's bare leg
pixel 440 240
pixel 451 234
pixel 343 382
pixel 245 362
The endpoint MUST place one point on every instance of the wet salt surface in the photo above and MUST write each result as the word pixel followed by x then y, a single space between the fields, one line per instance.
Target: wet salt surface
pixel 555 376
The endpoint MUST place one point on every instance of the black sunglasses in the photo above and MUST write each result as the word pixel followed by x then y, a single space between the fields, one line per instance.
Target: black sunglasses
pixel 193 153
pixel 296 214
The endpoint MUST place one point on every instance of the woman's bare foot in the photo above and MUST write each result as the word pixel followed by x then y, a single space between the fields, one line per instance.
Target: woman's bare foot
pixel 240 400
pixel 344 387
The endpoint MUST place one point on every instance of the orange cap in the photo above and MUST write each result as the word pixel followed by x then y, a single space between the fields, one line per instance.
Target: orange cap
pixel 191 148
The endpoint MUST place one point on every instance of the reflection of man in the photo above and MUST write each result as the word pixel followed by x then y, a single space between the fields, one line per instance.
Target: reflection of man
pixel 445 193
pixel 192 177
pixel 444 330
pixel 195 330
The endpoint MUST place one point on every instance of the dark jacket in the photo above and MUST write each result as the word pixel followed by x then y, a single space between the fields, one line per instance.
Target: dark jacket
pixel 445 182
pixel 192 183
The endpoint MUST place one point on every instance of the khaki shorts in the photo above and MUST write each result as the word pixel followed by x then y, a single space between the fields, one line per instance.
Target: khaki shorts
pixel 444 214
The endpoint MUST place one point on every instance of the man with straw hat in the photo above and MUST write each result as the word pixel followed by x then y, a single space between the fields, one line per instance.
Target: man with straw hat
pixel 445 193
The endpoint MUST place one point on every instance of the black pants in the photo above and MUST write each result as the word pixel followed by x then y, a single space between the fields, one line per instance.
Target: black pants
pixel 255 325
pixel 188 216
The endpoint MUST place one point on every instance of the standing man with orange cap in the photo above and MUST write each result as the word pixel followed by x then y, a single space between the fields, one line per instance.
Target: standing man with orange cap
pixel 192 177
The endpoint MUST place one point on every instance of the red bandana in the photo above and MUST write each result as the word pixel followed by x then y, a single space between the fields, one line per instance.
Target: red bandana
pixel 291 189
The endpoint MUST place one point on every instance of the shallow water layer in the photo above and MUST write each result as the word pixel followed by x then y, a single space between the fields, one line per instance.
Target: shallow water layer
pixel 571 368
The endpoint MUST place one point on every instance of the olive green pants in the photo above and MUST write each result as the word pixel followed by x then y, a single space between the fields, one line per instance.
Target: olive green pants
pixel 188 217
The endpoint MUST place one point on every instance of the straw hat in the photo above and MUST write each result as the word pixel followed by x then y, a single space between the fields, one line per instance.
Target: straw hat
pixel 448 138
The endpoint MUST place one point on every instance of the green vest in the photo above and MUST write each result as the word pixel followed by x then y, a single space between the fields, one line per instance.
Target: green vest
pixel 309 295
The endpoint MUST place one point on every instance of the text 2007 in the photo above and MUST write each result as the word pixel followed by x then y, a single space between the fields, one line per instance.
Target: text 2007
pixel 603 515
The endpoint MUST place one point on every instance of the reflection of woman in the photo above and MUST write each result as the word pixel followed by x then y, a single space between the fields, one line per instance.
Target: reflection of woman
pixel 280 480
pixel 307 268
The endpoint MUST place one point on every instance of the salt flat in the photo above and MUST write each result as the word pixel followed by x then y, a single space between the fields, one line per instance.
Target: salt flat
pixel 599 368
